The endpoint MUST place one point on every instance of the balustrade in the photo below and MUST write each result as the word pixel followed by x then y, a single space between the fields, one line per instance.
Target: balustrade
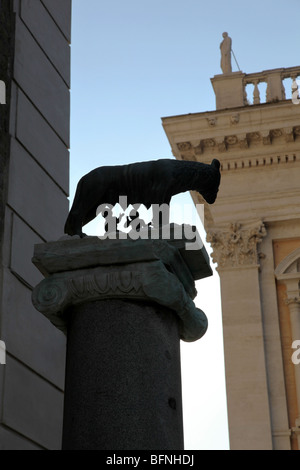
pixel 275 87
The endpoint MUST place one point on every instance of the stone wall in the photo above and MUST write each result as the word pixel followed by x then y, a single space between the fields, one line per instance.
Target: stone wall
pixel 34 205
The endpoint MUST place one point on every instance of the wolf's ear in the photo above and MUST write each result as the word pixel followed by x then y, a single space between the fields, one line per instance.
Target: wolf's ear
pixel 216 163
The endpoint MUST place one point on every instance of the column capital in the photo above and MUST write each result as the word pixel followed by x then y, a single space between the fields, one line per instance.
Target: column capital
pixel 293 301
pixel 235 245
pixel 83 270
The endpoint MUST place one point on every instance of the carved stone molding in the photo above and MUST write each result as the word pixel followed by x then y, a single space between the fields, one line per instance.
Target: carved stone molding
pixel 243 141
pixel 154 271
pixel 231 140
pixel 221 144
pixel 224 143
pixel 266 137
pixel 292 301
pixel 297 130
pixel 235 118
pixel 184 146
pixel 212 121
pixel 236 246
pixel 289 134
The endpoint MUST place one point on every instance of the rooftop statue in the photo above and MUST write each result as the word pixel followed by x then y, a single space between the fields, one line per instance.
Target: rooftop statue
pixel 225 47
pixel 147 183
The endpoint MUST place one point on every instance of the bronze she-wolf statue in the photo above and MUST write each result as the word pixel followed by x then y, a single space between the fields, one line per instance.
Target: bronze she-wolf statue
pixel 147 183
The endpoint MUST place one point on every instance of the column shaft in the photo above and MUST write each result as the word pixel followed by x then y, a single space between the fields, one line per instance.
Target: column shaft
pixel 123 377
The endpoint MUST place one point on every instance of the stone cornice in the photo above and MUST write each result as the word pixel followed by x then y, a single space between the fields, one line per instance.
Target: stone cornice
pixel 248 119
pixel 236 245
pixel 193 120
pixel 231 144
pixel 242 160
pixel 238 136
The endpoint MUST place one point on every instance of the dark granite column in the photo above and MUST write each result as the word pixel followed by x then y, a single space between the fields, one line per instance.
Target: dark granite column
pixel 124 305
pixel 123 377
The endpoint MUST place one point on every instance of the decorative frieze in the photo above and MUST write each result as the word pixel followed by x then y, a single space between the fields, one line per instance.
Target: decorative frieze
pixel 226 143
pixel 212 121
pixel 236 246
pixel 243 141
pixel 231 140
pixel 297 130
pixel 292 301
pixel 221 144
pixel 289 134
pixel 184 146
pixel 266 137
pixel 235 118
pixel 241 161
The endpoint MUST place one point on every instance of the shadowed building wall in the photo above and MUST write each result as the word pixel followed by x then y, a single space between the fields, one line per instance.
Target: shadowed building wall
pixel 34 185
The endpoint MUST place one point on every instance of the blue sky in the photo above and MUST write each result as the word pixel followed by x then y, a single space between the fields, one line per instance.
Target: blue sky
pixel 136 61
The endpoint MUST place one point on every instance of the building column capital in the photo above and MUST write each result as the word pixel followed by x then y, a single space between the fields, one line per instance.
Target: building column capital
pixel 235 246
pixel 293 303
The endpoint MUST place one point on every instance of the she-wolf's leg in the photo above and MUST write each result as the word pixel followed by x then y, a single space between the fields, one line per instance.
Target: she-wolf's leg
pixel 73 225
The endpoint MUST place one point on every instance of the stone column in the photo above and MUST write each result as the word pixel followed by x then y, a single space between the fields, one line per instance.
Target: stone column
pixel 124 305
pixel 235 248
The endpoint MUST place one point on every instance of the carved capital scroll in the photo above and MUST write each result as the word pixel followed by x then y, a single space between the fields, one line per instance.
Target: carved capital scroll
pixel 86 270
pixel 236 245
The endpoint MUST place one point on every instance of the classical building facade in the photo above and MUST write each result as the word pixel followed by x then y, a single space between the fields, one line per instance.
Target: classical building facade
pixel 254 230
pixel 34 186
